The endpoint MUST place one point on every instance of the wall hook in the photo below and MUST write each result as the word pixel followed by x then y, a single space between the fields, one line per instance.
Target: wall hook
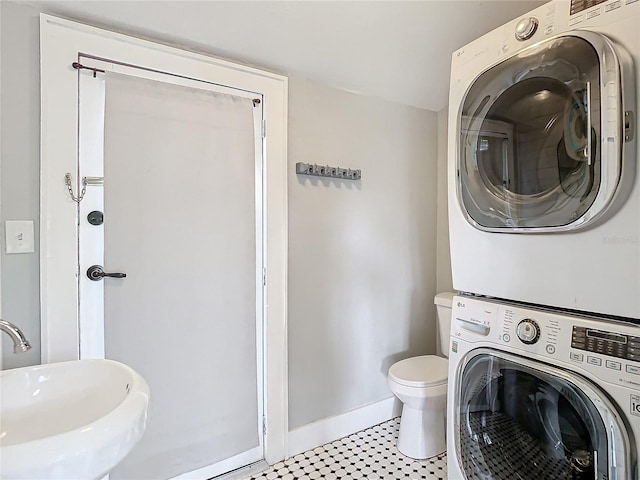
pixel 328 171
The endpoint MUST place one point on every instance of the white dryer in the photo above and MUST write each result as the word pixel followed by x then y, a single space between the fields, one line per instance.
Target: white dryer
pixel 538 395
pixel 544 186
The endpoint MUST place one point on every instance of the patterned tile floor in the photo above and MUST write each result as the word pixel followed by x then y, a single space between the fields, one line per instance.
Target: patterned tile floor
pixel 370 454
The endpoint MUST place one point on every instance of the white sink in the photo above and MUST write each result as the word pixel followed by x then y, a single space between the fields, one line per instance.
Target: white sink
pixel 69 420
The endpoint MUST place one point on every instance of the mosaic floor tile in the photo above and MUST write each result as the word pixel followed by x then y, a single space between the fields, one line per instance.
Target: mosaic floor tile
pixel 369 454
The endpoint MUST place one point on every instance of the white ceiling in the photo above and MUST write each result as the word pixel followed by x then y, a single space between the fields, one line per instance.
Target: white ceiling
pixel 396 50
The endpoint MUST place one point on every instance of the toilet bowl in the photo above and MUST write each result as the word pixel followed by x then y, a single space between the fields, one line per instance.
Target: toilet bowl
pixel 420 383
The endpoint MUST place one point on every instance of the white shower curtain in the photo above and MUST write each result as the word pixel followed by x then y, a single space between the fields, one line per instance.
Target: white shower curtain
pixel 180 221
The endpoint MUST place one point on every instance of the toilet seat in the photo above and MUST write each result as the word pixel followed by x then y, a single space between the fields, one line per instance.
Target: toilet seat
pixel 420 372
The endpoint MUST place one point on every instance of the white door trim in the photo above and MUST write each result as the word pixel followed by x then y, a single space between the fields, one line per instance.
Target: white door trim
pixel 61 41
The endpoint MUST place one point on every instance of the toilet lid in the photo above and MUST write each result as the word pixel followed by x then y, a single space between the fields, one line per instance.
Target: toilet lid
pixel 423 371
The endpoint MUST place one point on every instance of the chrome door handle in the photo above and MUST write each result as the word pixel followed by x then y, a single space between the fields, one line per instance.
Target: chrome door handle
pixel 97 273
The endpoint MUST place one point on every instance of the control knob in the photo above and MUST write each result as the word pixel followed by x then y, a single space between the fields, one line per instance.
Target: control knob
pixel 528 331
pixel 525 28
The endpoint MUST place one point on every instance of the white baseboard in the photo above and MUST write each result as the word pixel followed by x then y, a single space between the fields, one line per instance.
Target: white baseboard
pixel 244 473
pixel 329 429
pixel 228 465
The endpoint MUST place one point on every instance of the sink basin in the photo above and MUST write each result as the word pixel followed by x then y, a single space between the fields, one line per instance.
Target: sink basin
pixel 69 420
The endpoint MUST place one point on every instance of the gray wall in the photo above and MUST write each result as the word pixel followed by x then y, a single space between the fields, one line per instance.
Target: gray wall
pixel 444 281
pixel 20 173
pixel 362 270
pixel 362 266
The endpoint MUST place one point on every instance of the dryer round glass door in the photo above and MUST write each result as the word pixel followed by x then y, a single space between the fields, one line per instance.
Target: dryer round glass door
pixel 516 418
pixel 537 148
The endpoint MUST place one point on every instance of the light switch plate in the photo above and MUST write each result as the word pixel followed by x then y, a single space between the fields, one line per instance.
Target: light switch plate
pixel 19 236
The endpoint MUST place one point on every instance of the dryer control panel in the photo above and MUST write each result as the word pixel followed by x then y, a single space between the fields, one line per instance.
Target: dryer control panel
pixel 606 343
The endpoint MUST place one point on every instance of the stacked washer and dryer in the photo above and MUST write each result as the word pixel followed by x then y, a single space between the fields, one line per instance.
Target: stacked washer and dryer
pixel 544 214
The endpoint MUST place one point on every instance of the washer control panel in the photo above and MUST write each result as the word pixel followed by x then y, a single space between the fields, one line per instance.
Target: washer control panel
pixel 578 6
pixel 606 343
pixel 603 348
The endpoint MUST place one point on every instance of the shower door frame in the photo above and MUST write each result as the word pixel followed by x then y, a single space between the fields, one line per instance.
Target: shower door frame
pixel 63 42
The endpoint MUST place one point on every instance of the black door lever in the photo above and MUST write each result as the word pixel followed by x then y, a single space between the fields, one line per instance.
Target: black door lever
pixel 97 273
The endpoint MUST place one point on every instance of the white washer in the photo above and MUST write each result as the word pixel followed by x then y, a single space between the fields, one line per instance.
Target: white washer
pixel 539 395
pixel 544 190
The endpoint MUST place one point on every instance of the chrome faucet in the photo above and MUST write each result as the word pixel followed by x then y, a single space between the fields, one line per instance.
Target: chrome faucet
pixel 20 343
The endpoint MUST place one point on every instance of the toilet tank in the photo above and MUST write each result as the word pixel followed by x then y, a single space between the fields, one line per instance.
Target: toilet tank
pixel 443 303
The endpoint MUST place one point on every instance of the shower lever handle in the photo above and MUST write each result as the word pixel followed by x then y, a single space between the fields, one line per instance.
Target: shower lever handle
pixel 97 273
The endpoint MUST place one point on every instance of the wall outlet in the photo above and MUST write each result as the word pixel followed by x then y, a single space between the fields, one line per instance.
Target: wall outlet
pixel 19 236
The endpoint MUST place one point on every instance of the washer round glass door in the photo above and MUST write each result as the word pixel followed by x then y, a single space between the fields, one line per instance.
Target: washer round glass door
pixel 517 419
pixel 532 142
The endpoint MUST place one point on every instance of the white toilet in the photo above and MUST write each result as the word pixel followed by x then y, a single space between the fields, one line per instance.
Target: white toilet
pixel 421 384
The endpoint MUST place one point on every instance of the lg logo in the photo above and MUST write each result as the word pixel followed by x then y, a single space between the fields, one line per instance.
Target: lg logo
pixel 635 405
pixel 461 305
